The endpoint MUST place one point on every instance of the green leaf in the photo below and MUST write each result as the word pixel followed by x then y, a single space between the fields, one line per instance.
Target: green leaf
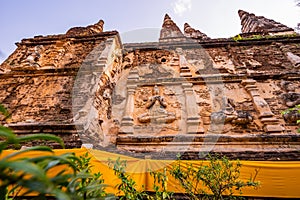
pixel 61 178
pixel 42 187
pixel 36 148
pixel 60 195
pixel 23 166
pixel 4 111
pixel 41 137
pixel 7 134
pixel 63 159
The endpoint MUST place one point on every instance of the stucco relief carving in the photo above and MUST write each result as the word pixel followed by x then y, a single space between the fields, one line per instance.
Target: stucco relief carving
pixel 291 97
pixel 31 59
pixel 153 71
pixel 156 110
pixel 230 115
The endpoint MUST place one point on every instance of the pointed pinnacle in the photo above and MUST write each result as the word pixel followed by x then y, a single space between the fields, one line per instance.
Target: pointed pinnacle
pixel 166 17
pixel 186 25
pixel 242 12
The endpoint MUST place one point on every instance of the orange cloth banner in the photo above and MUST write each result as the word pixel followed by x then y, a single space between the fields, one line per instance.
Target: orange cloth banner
pixel 277 179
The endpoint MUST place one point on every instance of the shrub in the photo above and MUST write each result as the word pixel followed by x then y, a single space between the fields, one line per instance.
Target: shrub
pixel 87 185
pixel 295 111
pixel 30 174
pixel 127 187
pixel 219 178
pixel 21 175
pixel 160 184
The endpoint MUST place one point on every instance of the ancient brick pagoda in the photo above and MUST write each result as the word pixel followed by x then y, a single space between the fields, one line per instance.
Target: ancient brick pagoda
pixel 186 93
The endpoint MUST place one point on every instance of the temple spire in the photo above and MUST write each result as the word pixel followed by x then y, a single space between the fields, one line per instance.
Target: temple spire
pixel 170 31
pixel 91 29
pixel 193 33
pixel 252 23
pixel 167 17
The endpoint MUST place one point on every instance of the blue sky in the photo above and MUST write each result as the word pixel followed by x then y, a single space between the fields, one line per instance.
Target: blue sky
pixel 217 18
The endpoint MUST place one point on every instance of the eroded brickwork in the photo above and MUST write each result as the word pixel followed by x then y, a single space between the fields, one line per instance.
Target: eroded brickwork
pixel 47 81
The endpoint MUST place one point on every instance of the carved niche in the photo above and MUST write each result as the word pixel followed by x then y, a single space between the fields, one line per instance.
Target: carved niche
pixel 156 110
pixel 158 103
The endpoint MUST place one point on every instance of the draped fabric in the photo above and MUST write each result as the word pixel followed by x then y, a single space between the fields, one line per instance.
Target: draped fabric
pixel 277 178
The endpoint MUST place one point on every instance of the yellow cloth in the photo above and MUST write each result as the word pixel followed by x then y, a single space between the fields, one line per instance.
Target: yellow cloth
pixel 277 179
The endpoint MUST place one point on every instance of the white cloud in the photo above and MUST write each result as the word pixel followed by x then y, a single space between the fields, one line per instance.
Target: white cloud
pixel 182 6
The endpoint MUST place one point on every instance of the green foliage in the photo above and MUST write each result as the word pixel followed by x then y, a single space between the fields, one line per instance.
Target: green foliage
pixel 87 185
pixel 237 38
pixel 160 185
pixel 127 187
pixel 259 37
pixel 297 107
pixel 30 174
pixel 4 112
pixel 294 109
pixel 220 177
pixel 9 138
pixel 21 175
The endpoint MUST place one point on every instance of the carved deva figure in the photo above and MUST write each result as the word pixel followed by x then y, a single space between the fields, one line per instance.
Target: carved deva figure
pixel 156 113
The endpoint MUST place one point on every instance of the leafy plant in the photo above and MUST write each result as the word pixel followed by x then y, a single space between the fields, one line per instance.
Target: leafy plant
pixel 30 174
pixel 21 175
pixel 127 187
pixel 4 112
pixel 217 180
pixel 160 184
pixel 87 185
pixel 237 37
pixel 258 37
pixel 295 110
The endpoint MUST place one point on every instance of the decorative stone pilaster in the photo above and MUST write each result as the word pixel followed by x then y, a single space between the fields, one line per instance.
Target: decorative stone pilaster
pixel 271 124
pixel 184 68
pixel 127 120
pixel 193 121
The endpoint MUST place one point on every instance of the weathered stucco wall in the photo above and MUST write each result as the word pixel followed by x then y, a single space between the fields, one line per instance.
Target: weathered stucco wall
pixel 180 94
pixel 48 80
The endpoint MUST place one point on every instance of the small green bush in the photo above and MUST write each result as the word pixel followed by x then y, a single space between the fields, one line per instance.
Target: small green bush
pixel 294 109
pixel 127 187
pixel 217 180
pixel 160 185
